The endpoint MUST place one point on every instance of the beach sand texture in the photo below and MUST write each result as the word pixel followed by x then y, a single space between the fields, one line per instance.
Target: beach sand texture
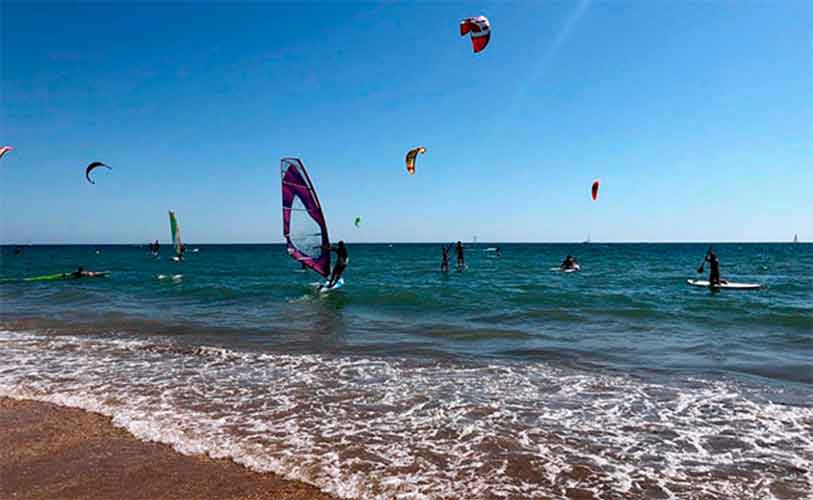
pixel 50 452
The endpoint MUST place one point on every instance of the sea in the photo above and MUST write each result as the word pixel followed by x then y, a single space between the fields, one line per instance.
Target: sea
pixel 505 379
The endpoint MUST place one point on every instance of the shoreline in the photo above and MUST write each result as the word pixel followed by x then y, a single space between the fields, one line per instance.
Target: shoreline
pixel 49 451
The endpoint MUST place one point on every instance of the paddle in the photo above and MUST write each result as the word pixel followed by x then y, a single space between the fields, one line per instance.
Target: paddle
pixel 702 264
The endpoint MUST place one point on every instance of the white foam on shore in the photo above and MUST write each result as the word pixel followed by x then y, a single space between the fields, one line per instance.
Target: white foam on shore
pixel 390 428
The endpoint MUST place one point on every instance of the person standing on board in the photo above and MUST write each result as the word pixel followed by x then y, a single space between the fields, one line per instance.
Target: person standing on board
pixel 444 263
pixel 461 261
pixel 341 263
pixel 714 268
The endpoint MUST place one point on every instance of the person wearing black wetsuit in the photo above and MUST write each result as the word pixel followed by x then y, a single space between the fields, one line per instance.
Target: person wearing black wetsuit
pixel 568 263
pixel 714 269
pixel 444 263
pixel 461 260
pixel 341 263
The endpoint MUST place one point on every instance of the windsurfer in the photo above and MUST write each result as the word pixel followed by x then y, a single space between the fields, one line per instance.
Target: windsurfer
pixel 341 263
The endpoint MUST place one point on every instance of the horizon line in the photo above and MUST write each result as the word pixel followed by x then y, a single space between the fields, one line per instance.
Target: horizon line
pixel 682 242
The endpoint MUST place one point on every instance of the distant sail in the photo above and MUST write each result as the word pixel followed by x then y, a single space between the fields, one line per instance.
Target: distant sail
pixel 303 222
pixel 176 233
pixel 796 238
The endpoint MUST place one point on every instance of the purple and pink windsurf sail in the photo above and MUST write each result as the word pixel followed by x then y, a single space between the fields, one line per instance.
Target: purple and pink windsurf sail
pixel 303 222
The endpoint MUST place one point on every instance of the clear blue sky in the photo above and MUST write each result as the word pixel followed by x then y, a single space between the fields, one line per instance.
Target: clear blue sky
pixel 696 116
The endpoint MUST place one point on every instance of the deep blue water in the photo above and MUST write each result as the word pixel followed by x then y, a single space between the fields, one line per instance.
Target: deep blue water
pixel 597 356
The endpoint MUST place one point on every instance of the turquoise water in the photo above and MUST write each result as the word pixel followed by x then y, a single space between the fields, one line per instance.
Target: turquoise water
pixel 505 379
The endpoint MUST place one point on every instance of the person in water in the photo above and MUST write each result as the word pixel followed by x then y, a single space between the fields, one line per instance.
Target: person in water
pixel 568 263
pixel 714 269
pixel 461 260
pixel 444 263
pixel 81 273
pixel 18 251
pixel 341 263
pixel 499 252
pixel 156 247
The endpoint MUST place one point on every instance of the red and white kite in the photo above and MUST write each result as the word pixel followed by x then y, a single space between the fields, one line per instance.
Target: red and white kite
pixel 480 30
pixel 4 150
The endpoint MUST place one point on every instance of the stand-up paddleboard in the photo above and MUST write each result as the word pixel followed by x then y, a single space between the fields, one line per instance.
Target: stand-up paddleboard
pixel 727 286
pixel 303 221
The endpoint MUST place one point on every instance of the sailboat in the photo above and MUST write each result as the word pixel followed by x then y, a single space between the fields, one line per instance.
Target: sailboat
pixel 175 230
pixel 587 241
pixel 796 238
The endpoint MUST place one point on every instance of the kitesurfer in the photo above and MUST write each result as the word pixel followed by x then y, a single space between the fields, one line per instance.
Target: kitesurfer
pixel 18 250
pixel 461 261
pixel 499 252
pixel 341 263
pixel 568 263
pixel 714 268
pixel 444 263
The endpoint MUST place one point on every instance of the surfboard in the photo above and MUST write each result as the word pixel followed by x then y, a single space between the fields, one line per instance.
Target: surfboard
pixel 574 269
pixel 729 286
pixel 66 276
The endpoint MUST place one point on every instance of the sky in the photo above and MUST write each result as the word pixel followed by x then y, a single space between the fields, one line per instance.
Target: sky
pixel 697 117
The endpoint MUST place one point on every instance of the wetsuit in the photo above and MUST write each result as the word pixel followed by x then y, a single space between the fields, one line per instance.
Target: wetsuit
pixel 461 261
pixel 341 264
pixel 714 269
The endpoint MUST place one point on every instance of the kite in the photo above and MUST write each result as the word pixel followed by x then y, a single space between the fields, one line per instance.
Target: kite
pixel 480 30
pixel 93 166
pixel 410 158
pixel 5 149
pixel 594 190
pixel 357 222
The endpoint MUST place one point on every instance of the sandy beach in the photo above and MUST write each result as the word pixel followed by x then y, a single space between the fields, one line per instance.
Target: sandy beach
pixel 49 452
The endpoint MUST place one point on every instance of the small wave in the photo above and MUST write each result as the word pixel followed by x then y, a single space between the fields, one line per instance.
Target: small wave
pixel 365 427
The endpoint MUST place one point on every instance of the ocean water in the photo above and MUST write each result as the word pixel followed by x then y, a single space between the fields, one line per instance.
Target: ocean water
pixel 502 380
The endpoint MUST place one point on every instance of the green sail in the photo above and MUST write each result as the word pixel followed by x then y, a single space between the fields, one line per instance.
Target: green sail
pixel 176 232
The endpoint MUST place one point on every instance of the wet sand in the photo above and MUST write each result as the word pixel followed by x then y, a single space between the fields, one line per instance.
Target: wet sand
pixel 48 452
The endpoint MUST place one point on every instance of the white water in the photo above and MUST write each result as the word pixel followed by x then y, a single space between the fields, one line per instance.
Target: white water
pixel 393 428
